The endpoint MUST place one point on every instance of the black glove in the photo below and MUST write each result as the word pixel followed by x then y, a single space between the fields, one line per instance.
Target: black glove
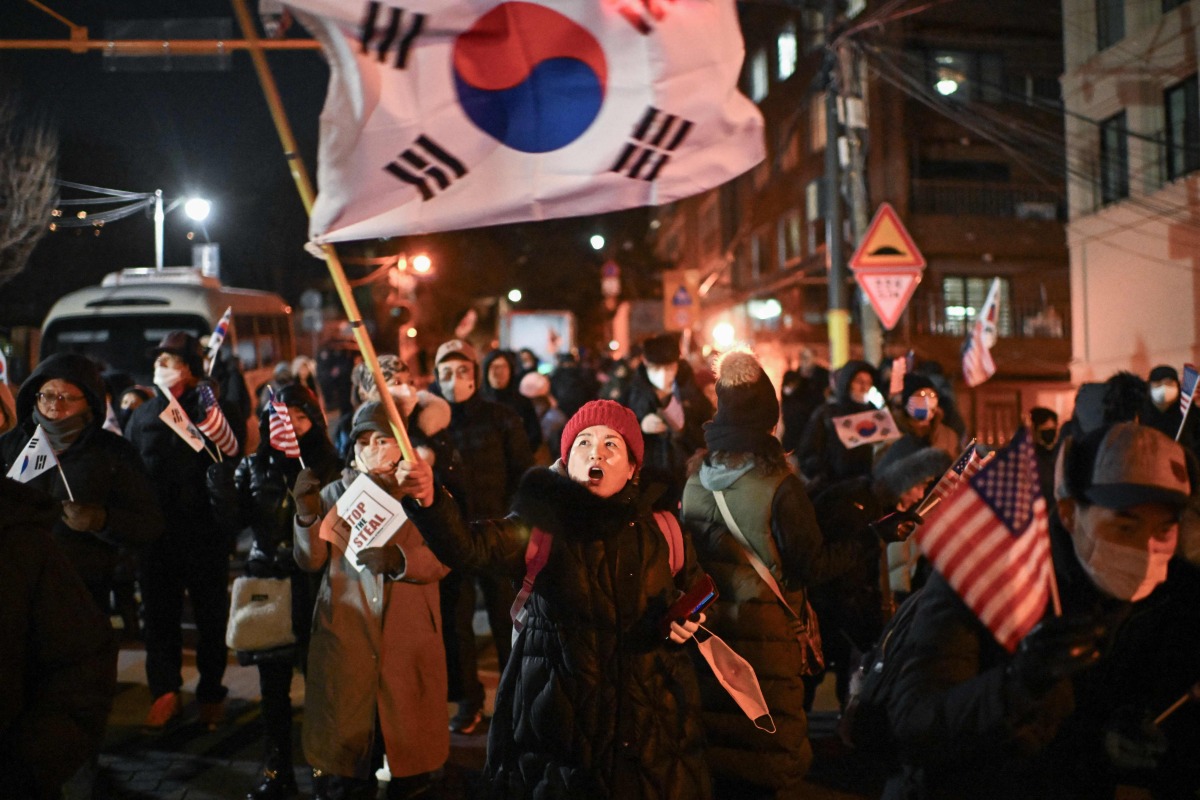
pixel 896 526
pixel 386 560
pixel 219 480
pixel 306 493
pixel 1132 740
pixel 1055 650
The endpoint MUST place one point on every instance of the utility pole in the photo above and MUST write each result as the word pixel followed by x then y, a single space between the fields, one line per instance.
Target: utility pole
pixel 856 184
pixel 838 315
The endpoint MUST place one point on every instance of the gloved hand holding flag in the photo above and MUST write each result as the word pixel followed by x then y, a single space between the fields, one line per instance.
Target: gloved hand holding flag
pixel 214 425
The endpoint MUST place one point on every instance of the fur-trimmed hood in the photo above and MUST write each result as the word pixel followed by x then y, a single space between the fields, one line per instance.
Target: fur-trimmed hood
pixel 432 413
pixel 548 499
pixel 894 479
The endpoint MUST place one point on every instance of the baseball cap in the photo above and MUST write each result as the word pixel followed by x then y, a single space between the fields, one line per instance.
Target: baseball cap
pixel 1137 464
pixel 456 348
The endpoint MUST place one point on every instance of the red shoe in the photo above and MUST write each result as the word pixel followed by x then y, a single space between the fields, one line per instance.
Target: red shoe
pixel 212 714
pixel 166 708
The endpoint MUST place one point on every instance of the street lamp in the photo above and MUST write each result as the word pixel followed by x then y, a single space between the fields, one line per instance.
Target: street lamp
pixel 597 241
pixel 514 296
pixel 196 208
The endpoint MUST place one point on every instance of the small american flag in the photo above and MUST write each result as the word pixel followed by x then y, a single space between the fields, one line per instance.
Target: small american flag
pixel 214 425
pixel 1186 389
pixel 991 541
pixel 977 363
pixel 283 435
pixel 949 481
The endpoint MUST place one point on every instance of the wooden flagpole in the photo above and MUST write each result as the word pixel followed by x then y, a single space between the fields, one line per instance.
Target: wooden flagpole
pixel 304 185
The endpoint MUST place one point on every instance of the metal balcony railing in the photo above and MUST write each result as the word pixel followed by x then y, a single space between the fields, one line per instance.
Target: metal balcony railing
pixel 1016 201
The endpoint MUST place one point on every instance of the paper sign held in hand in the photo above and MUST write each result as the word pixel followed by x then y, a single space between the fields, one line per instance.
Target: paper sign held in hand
pixel 365 516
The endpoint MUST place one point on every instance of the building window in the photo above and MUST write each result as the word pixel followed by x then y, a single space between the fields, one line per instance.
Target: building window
pixel 1171 5
pixel 963 297
pixel 1110 23
pixel 1182 105
pixel 1114 159
pixel 788 235
pixel 759 76
pixel 786 49
pixel 966 76
pixel 756 256
pixel 814 29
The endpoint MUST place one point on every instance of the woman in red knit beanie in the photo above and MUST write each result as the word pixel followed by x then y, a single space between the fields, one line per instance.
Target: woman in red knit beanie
pixel 594 701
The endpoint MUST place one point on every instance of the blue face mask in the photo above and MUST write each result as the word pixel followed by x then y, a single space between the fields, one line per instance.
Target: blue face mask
pixel 921 407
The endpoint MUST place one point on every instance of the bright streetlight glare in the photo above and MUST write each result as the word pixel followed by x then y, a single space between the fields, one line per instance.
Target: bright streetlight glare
pixel 514 296
pixel 197 208
pixel 614 345
pixel 422 263
pixel 411 333
pixel 597 241
pixel 723 335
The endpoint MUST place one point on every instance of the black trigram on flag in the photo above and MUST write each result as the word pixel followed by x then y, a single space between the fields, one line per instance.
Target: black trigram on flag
pixel 39 462
pixel 654 138
pixel 378 37
pixel 426 161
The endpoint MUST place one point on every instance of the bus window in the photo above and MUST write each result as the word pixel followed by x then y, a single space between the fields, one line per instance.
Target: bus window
pixel 117 343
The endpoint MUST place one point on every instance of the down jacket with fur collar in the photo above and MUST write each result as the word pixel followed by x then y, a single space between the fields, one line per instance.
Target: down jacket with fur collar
pixel 594 702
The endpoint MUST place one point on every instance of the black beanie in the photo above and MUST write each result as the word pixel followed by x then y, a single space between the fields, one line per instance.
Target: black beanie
pixel 661 349
pixel 1163 372
pixel 747 406
pixel 914 383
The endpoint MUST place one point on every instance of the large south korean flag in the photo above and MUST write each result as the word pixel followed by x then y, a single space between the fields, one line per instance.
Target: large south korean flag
pixel 448 114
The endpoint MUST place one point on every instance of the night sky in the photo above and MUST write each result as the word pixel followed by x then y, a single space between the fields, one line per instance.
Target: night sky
pixel 210 133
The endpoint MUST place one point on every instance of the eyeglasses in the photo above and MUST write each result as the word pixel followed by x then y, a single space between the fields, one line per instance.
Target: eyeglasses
pixel 57 398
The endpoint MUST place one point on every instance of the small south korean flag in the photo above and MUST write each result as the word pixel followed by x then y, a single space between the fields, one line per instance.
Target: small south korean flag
pixel 35 458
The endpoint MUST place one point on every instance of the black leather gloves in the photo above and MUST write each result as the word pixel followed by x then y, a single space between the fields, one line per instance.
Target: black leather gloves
pixel 896 526
pixel 1055 650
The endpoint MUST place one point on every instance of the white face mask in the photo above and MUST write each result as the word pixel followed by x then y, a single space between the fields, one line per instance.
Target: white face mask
pixel 663 378
pixel 1127 573
pixel 456 379
pixel 167 377
pixel 1164 394
pixel 378 457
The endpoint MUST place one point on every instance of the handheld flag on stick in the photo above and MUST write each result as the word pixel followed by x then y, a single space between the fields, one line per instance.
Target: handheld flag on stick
pixel 991 542
pixel 448 114
pixel 1187 388
pixel 977 363
pixel 282 434
pixel 214 425
pixel 949 480
pixel 177 420
pixel 36 457
pixel 218 337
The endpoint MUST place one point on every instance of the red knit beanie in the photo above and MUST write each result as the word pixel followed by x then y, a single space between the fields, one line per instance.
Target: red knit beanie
pixel 612 414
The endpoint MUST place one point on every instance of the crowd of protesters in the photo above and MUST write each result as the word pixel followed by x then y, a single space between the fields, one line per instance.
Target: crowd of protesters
pixel 575 503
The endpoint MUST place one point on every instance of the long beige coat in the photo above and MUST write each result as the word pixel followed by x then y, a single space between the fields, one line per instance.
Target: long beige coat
pixel 376 646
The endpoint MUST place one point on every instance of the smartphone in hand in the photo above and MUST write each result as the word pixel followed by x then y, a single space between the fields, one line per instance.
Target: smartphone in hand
pixel 693 601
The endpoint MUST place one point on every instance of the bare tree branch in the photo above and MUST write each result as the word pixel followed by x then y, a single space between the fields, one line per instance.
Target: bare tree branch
pixel 28 166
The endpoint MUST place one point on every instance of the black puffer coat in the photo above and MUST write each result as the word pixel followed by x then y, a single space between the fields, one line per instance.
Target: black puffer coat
pixel 100 468
pixel 179 472
pixel 594 703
